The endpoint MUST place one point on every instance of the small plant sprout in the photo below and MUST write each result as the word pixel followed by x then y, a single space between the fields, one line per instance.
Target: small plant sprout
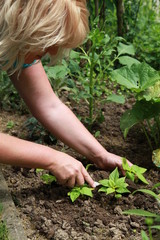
pixel 46 178
pixel 114 184
pixel 81 190
pixel 10 125
pixel 134 171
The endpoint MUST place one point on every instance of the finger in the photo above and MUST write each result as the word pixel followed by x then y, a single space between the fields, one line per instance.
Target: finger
pixel 80 180
pixel 62 182
pixel 87 177
pixel 71 182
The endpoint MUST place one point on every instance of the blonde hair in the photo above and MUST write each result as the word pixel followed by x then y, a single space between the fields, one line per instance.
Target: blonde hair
pixel 28 26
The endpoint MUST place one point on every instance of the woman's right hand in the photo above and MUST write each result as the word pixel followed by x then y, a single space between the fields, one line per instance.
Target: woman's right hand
pixel 70 172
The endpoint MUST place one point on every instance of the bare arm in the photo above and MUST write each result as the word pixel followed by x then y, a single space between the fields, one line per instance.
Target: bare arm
pixel 22 153
pixel 36 91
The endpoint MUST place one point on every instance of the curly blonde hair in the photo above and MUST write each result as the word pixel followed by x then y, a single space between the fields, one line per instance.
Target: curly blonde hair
pixel 28 26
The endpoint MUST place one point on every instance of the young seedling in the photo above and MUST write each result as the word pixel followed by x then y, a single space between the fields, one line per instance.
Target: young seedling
pixel 134 171
pixel 81 190
pixel 47 178
pixel 114 184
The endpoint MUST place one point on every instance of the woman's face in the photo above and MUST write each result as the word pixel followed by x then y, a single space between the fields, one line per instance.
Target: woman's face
pixel 38 55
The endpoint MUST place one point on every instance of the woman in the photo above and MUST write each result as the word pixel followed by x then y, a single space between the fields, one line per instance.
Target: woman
pixel 29 30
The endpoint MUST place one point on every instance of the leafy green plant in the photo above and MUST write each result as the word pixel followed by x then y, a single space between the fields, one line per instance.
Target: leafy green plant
pixel 10 125
pixel 134 171
pixel 150 219
pixel 114 184
pixel 46 177
pixel 143 82
pixel 80 191
pixel 100 60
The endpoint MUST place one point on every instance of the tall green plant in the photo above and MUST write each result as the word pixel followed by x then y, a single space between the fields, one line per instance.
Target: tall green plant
pixel 143 82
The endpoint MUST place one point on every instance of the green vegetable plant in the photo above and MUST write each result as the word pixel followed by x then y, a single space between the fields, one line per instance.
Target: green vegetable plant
pixel 46 177
pixel 97 58
pixel 10 125
pixel 143 82
pixel 84 190
pixel 150 219
pixel 114 184
pixel 134 171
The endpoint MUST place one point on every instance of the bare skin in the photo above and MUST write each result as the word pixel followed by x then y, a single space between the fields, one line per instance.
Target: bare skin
pixel 36 91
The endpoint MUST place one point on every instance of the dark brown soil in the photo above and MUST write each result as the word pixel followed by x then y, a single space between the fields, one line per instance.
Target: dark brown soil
pixel 47 211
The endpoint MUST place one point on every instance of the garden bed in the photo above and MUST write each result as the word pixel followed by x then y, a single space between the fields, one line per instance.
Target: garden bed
pixel 47 211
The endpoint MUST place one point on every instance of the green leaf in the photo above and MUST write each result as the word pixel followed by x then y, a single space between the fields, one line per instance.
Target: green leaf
pixel 103 189
pixel 130 176
pixel 118 196
pixel 97 134
pixel 128 61
pixel 114 175
pixel 140 111
pixel 86 191
pixel 104 182
pixel 125 49
pixel 58 71
pixel 111 183
pixel 122 190
pixel 116 98
pixel 140 212
pixel 48 179
pixel 74 194
pixel 138 77
pixel 156 227
pixel 125 164
pixel 156 185
pixel 125 77
pixel 151 93
pixel 147 191
pixel 121 182
pixel 110 190
pixel 136 169
pixel 141 177
pixel 38 170
pixel 144 235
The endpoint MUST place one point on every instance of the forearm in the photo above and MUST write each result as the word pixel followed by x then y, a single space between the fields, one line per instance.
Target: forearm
pixel 66 169
pixel 22 153
pixel 62 123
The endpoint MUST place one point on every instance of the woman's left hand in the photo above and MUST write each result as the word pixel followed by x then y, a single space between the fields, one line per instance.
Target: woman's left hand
pixel 110 161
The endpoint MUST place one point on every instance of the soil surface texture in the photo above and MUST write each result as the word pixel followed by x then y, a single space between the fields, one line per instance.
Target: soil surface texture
pixel 46 211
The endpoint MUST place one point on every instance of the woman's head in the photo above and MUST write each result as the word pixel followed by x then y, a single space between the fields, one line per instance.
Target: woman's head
pixel 28 26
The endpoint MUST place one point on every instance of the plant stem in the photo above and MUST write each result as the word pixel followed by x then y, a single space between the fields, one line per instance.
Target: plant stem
pixel 91 86
pixel 146 134
pixel 153 132
pixel 150 233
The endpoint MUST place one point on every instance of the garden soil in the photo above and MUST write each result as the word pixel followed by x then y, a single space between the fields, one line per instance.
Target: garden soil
pixel 46 211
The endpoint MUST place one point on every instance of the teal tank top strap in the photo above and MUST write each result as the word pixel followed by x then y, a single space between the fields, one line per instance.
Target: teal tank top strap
pixel 26 65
